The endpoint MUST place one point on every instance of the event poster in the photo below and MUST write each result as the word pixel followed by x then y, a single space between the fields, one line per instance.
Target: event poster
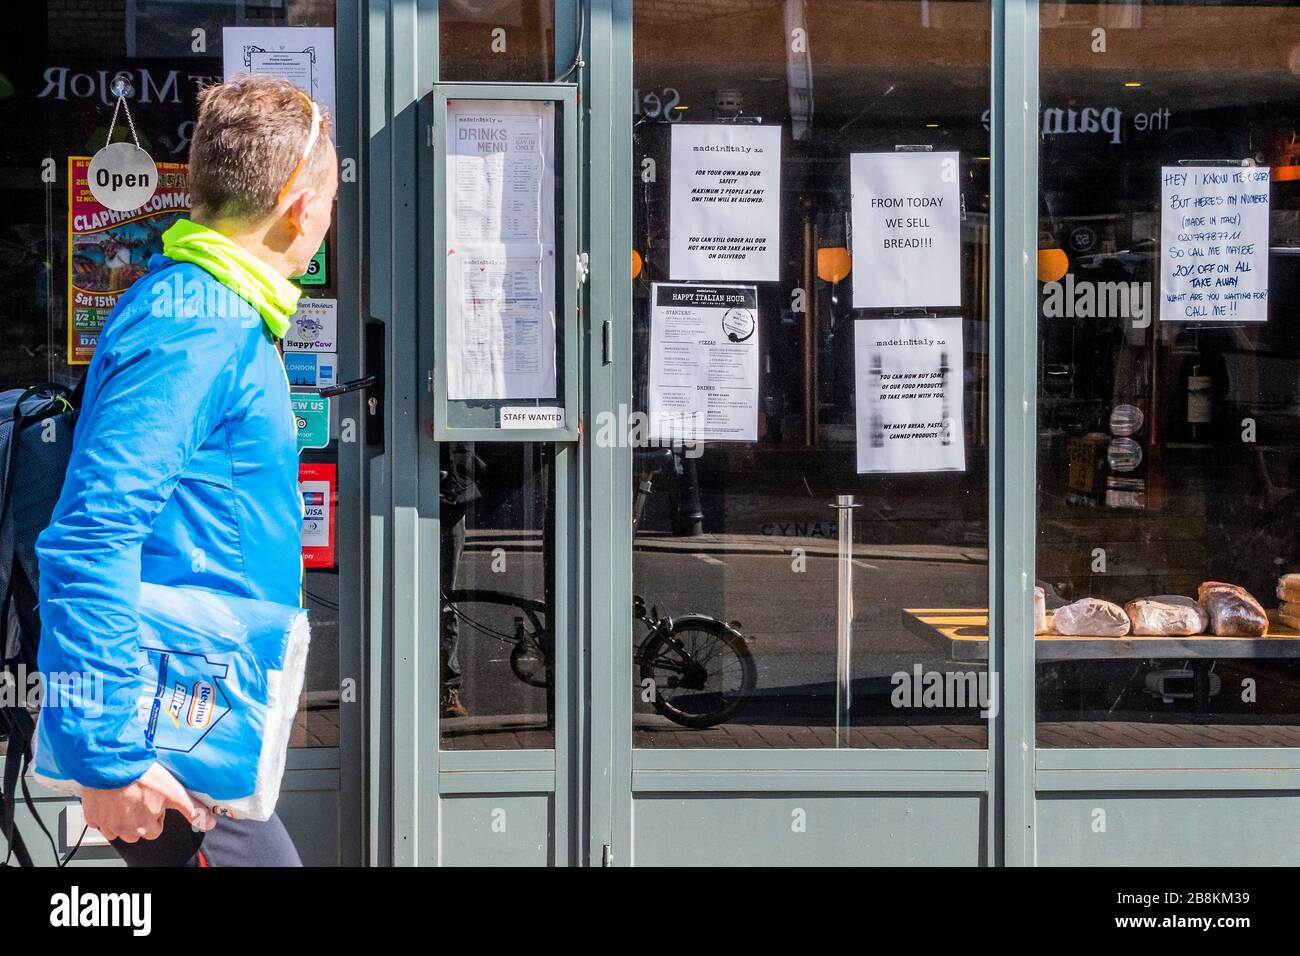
pixel 908 377
pixel 317 483
pixel 906 218
pixel 107 250
pixel 725 203
pixel 1214 223
pixel 703 363
pixel 501 268
pixel 302 55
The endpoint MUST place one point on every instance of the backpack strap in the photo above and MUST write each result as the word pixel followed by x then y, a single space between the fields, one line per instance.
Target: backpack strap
pixel 15 756
pixel 15 718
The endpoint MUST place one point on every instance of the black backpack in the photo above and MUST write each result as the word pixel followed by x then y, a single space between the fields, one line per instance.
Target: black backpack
pixel 36 427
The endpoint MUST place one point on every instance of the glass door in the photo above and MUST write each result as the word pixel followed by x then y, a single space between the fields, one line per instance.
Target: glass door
pixel 1169 276
pixel 808 425
pixel 488 740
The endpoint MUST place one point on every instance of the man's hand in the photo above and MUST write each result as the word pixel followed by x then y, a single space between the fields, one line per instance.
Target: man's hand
pixel 135 812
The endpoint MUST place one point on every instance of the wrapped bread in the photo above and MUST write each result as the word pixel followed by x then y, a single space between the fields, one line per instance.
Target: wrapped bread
pixel 1288 588
pixel 1090 617
pixel 1289 614
pixel 1166 615
pixel 1040 611
pixel 1233 611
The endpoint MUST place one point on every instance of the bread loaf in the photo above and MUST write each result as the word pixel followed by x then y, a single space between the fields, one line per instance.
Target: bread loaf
pixel 1040 611
pixel 1091 617
pixel 1289 614
pixel 1288 588
pixel 1166 615
pixel 1233 611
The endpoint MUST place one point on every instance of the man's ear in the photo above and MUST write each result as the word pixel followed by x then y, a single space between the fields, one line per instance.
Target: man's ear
pixel 299 210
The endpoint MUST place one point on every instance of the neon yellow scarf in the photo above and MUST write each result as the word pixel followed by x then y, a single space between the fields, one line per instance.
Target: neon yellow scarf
pixel 271 294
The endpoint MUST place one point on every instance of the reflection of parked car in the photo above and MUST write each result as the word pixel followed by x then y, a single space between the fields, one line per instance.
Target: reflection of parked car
pixel 1131 260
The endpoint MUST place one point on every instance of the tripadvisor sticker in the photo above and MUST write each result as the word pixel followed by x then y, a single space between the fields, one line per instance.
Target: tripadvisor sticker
pixel 738 324
pixel 122 177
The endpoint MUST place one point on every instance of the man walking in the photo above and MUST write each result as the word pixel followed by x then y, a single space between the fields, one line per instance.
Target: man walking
pixel 184 463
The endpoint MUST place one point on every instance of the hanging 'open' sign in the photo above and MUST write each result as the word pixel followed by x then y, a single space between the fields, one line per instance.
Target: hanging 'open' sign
pixel 122 177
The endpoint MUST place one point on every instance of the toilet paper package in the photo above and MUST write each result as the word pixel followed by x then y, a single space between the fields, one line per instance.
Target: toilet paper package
pixel 219 693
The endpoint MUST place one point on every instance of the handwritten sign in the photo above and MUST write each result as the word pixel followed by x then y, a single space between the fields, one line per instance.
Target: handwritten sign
pixel 906 230
pixel 725 202
pixel 1214 243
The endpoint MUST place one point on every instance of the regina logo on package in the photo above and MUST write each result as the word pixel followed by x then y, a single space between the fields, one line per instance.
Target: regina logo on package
pixel 201 704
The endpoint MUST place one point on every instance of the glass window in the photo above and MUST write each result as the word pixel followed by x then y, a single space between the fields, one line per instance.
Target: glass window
pixel 1169 375
pixel 55 105
pixel 498 545
pixel 508 41
pixel 739 566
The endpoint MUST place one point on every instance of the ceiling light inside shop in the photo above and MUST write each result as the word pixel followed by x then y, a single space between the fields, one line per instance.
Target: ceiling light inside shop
pixel 1132 84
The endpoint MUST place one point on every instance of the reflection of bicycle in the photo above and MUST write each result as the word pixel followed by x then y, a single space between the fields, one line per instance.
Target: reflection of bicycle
pixel 696 671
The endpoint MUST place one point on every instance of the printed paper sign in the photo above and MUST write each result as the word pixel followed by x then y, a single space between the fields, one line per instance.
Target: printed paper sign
pixel 500 208
pixel 311 369
pixel 703 363
pixel 725 203
pixel 906 230
pixel 532 416
pixel 108 250
pixel 500 172
pixel 314 327
pixel 302 55
pixel 1214 243
pixel 317 484
pixel 909 380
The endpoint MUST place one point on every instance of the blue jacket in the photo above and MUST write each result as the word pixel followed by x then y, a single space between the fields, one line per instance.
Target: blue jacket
pixel 184 471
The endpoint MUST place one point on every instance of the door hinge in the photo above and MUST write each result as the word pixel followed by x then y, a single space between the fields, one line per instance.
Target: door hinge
pixel 428 136
pixel 428 380
pixel 606 856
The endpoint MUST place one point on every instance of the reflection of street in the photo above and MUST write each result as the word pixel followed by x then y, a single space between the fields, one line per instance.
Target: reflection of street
pixel 317 721
pixel 785 605
pixel 788 619
pixel 787 616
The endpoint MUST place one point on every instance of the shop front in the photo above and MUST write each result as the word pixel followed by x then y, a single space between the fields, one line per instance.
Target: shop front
pixel 753 431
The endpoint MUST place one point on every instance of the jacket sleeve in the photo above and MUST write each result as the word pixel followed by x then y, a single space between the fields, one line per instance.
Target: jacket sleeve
pixel 155 396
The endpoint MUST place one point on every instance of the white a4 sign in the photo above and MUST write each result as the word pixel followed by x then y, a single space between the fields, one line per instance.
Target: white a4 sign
pixel 906 230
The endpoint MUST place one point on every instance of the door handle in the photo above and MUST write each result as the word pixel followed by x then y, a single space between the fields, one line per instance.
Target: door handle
pixel 343 388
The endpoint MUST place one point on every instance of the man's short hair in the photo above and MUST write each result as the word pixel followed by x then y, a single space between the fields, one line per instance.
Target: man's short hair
pixel 250 134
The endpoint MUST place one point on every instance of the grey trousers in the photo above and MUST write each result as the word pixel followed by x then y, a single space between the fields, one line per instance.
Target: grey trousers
pixel 231 843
